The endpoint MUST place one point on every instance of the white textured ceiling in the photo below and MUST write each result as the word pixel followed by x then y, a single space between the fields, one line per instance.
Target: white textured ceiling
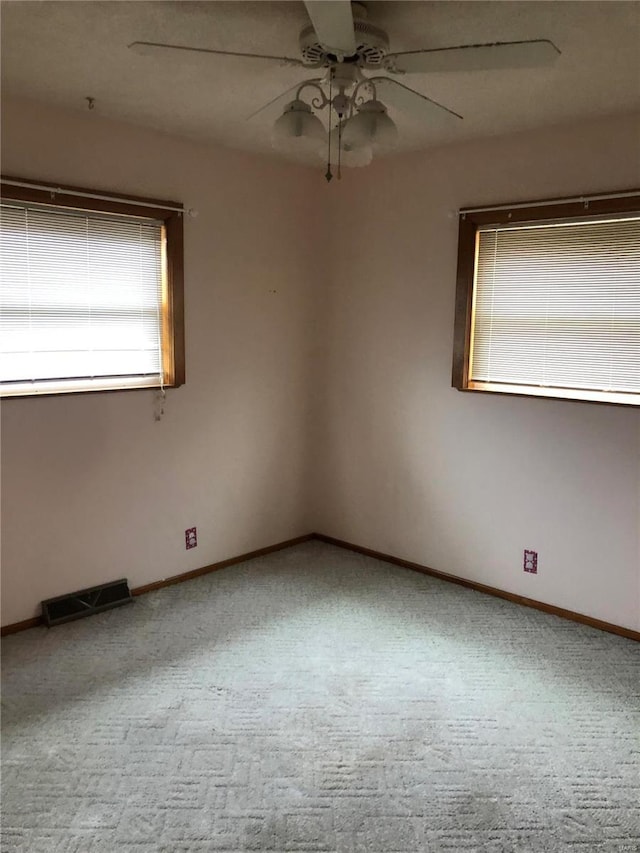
pixel 61 52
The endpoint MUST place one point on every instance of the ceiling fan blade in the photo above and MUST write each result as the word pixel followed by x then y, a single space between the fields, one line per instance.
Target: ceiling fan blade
pixel 283 98
pixel 333 22
pixel 475 57
pixel 394 94
pixel 150 47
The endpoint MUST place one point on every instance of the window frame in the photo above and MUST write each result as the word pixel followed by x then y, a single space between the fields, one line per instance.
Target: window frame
pixel 469 221
pixel 172 325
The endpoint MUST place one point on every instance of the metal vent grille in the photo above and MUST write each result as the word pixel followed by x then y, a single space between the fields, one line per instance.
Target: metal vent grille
pixel 76 605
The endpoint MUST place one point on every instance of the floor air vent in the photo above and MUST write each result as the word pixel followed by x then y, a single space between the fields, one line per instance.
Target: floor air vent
pixel 75 605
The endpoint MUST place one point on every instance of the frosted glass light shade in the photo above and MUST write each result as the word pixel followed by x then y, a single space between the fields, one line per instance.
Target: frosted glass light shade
pixel 371 126
pixel 298 129
pixel 350 158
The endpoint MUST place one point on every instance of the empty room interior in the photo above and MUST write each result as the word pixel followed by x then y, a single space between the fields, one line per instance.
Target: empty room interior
pixel 321 352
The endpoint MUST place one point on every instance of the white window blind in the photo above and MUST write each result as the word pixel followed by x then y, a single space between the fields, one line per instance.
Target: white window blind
pixel 80 300
pixel 557 305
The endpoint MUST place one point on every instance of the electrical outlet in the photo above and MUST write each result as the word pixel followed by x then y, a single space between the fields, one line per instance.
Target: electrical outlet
pixel 191 538
pixel 531 562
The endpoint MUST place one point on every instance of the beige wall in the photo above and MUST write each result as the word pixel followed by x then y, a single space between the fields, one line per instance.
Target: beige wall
pixel 463 482
pixel 92 487
pixel 326 405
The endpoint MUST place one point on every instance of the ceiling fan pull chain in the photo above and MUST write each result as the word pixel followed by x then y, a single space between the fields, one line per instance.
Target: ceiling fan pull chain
pixel 328 174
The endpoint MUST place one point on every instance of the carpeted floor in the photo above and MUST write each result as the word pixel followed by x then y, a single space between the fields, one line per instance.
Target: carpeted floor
pixel 317 700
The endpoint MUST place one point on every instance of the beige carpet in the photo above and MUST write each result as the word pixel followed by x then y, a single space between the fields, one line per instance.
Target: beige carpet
pixel 317 700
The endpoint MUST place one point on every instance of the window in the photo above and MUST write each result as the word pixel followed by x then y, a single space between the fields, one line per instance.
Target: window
pixel 90 291
pixel 548 300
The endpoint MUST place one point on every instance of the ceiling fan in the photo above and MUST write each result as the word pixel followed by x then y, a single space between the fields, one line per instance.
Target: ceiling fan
pixel 342 44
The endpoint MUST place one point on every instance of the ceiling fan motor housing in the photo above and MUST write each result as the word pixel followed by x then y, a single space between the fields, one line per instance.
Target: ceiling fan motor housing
pixel 372 45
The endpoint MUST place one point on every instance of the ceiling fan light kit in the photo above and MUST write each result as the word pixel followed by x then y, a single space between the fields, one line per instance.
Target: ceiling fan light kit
pixel 298 129
pixel 370 126
pixel 344 44
pixel 361 123
pixel 343 154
